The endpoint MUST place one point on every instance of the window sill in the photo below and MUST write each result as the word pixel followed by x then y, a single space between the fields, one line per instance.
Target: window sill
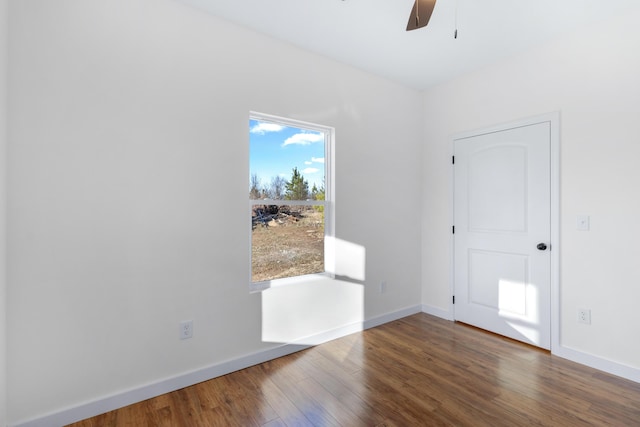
pixel 289 281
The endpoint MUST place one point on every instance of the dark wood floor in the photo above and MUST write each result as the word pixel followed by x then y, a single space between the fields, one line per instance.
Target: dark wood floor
pixel 417 371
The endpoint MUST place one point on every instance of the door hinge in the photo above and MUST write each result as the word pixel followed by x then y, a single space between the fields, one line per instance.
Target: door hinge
pixel 454 299
pixel 453 160
pixel 453 229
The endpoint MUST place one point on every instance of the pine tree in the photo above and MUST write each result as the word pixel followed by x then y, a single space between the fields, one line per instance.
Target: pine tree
pixel 297 188
pixel 319 195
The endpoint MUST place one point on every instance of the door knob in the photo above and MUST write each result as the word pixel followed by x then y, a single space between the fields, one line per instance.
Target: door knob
pixel 541 247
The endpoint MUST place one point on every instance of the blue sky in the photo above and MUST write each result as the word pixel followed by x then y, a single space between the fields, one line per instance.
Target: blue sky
pixel 276 150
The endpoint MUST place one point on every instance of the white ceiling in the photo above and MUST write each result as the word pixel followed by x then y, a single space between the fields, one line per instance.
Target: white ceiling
pixel 370 34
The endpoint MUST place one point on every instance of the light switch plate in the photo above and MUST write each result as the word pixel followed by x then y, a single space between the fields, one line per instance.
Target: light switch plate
pixel 582 222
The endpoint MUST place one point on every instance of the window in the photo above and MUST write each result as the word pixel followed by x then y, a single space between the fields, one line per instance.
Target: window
pixel 290 198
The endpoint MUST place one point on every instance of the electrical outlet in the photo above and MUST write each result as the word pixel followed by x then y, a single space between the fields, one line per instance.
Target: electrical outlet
pixel 186 329
pixel 584 316
pixel 383 287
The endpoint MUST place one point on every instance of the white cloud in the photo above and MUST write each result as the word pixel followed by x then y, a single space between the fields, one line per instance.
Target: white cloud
pixel 262 128
pixel 317 159
pixel 310 170
pixel 308 163
pixel 303 139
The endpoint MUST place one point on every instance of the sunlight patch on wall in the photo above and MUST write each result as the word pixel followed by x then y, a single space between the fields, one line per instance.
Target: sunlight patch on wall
pixel 349 259
pixel 307 313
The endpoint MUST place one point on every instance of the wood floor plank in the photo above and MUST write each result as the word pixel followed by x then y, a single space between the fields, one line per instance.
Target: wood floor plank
pixel 286 410
pixel 416 371
pixel 330 376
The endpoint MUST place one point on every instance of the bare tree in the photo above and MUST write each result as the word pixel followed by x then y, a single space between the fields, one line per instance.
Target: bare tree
pixel 254 188
pixel 276 189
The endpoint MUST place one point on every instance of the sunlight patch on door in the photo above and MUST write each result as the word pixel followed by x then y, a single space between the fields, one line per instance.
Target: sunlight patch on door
pixel 499 281
pixel 512 297
pixel 527 332
pixel 525 321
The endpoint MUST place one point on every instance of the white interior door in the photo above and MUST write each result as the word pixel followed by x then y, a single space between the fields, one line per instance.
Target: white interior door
pixel 502 217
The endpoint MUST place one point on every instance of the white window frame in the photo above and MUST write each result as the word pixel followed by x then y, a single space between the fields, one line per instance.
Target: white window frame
pixel 328 203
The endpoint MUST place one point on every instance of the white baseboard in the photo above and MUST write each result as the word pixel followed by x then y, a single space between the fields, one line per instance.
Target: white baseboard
pixel 167 385
pixel 438 312
pixel 390 317
pixel 125 398
pixel 568 353
pixel 119 400
pixel 599 363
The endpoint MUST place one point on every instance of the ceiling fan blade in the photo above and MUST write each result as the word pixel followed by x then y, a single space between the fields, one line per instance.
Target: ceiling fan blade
pixel 420 14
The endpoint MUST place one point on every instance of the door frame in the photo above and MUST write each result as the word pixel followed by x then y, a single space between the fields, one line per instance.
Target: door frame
pixel 553 119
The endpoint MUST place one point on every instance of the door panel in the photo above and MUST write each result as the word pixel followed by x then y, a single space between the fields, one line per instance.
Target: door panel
pixel 502 210
pixel 509 271
pixel 503 169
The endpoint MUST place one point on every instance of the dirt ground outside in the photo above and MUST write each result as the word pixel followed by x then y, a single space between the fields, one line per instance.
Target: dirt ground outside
pixel 286 244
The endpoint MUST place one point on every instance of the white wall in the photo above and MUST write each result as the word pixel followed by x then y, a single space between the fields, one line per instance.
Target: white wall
pixel 4 33
pixel 128 194
pixel 591 77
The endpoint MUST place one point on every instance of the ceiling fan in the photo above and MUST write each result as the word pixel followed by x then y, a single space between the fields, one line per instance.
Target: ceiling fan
pixel 420 14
